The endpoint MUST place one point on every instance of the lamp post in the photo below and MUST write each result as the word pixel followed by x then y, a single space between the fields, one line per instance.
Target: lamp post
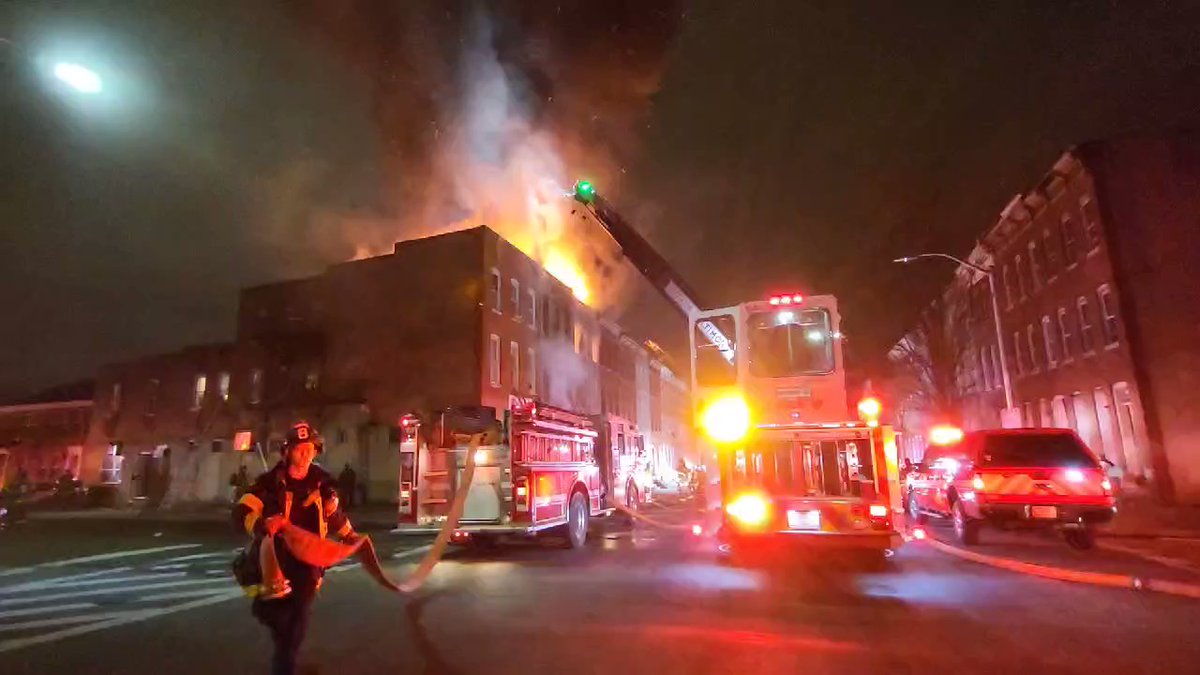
pixel 991 277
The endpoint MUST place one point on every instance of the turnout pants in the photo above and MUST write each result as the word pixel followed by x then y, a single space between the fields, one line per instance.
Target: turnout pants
pixel 287 618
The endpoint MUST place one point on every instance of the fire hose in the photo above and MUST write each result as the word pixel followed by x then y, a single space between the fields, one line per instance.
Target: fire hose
pixel 320 552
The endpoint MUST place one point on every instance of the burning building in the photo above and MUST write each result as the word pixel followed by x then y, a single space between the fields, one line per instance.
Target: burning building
pixel 463 318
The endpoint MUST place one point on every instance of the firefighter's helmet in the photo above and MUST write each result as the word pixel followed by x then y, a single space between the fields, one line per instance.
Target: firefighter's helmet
pixel 302 432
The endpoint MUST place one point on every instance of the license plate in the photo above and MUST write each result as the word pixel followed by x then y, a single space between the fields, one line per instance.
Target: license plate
pixel 1043 511
pixel 804 520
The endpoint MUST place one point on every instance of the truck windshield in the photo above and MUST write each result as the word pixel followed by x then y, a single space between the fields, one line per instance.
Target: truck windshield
pixel 789 342
pixel 1035 450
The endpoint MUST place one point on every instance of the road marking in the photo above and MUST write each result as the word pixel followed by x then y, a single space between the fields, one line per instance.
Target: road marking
pixel 60 621
pixel 42 583
pixel 107 591
pixel 133 617
pixel 15 570
pixel 117 554
pixel 178 566
pixel 412 552
pixel 54 586
pixel 1166 561
pixel 180 595
pixel 343 568
pixel 195 556
pixel 45 610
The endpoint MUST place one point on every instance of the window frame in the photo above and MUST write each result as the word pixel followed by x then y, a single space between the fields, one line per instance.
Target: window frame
pixel 1087 345
pixel 1104 291
pixel 496 288
pixel 1048 339
pixel 1064 336
pixel 1070 240
pixel 494 360
pixel 1089 215
pixel 1035 363
pixel 1017 357
pixel 514 364
pixel 515 298
pixel 199 390
pixel 531 295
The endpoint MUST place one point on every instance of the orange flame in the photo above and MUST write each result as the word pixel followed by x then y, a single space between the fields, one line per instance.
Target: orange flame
pixel 565 270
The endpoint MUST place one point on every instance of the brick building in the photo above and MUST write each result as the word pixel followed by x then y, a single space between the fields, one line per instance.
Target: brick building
pixel 1099 313
pixel 42 440
pixel 460 318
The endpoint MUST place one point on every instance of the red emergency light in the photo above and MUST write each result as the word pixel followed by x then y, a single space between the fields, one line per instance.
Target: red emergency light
pixel 791 299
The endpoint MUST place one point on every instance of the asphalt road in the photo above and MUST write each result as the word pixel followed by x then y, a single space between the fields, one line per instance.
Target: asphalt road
pixel 639 600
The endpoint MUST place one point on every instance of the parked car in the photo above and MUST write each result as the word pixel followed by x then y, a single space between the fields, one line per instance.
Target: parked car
pixel 1012 479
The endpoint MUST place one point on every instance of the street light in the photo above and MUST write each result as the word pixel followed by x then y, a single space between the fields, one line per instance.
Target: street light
pixel 79 78
pixel 991 277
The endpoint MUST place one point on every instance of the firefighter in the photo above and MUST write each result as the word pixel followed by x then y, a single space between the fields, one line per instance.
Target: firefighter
pixel 295 493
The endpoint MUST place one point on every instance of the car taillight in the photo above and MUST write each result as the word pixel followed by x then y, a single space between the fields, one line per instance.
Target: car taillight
pixel 750 509
pixel 1074 476
pixel 977 482
pixel 1106 485
pixel 878 511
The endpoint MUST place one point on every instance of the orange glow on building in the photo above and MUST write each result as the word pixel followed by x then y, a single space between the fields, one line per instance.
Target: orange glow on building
pixel 567 271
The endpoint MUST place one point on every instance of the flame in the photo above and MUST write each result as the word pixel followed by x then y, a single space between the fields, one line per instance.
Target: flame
pixel 567 271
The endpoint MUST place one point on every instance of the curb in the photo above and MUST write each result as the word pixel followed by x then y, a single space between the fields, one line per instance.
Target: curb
pixel 1176 588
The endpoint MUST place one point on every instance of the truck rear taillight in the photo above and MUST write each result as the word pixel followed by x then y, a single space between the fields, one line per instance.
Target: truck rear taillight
pixel 878 511
pixel 977 483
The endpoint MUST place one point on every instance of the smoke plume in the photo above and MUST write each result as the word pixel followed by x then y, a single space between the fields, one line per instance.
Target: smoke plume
pixel 487 112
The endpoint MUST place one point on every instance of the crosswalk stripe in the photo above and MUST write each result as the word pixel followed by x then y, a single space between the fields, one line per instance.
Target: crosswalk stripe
pixel 117 555
pixel 196 556
pixel 45 610
pixel 59 621
pixel 132 617
pixel 180 595
pixel 8 602
pixel 42 583
pixel 35 586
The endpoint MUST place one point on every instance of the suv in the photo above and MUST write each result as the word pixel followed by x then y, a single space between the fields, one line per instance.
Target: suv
pixel 1032 478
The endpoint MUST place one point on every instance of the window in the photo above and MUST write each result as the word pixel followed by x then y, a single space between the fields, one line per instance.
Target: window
pixel 1091 223
pixel 1008 286
pixel 223 385
pixel 497 299
pixel 532 308
pixel 114 400
pixel 1048 337
pixel 578 338
pixel 514 365
pixel 1070 240
pixel 494 359
pixel 1064 334
pixel 516 299
pixel 531 370
pixel 1022 276
pixel 1087 338
pixel 1049 254
pixel 110 467
pixel 1108 312
pixel 1036 265
pixel 256 385
pixel 312 380
pixel 198 391
pixel 1020 357
pixel 1035 353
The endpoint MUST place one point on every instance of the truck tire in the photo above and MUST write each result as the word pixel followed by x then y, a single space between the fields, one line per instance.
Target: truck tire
pixel 966 529
pixel 577 520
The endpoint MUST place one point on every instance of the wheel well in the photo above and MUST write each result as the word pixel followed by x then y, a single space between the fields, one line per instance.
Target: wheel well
pixel 951 496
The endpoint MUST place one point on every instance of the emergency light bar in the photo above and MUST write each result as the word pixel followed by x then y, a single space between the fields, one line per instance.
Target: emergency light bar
pixel 791 299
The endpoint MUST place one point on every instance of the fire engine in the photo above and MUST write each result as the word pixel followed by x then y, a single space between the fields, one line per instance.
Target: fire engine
pixel 536 472
pixel 624 465
pixel 769 393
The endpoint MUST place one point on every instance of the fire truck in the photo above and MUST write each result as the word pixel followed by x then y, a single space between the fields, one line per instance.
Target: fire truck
pixel 624 464
pixel 769 394
pixel 535 473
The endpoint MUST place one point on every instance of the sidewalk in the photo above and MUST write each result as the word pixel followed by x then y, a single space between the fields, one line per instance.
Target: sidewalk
pixel 1142 516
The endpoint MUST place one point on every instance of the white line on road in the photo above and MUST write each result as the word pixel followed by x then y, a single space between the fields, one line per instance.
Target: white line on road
pixel 15 570
pixel 60 621
pixel 177 566
pixel 108 591
pixel 45 610
pixel 10 645
pixel 412 552
pixel 196 556
pixel 180 595
pixel 43 583
pixel 117 554
pixel 25 588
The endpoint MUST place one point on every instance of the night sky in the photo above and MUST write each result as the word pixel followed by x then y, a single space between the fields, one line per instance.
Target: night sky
pixel 761 145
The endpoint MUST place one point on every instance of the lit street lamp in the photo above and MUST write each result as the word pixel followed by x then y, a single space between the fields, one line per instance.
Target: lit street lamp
pixel 79 78
pixel 991 277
